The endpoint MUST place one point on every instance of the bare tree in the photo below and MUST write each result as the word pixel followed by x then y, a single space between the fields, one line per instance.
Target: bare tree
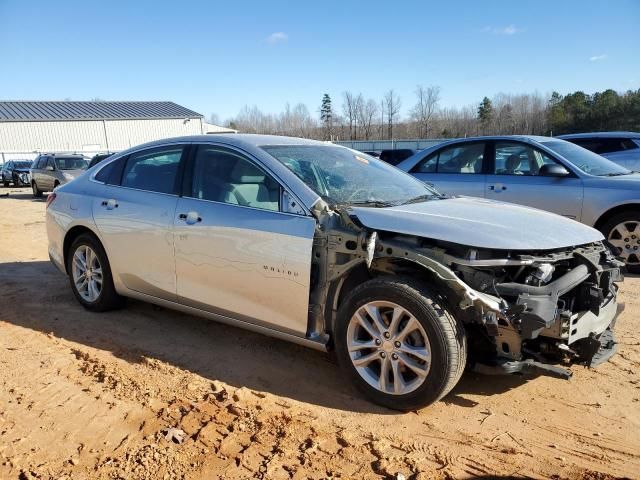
pixel 367 113
pixel 425 108
pixel 349 108
pixel 214 119
pixel 392 106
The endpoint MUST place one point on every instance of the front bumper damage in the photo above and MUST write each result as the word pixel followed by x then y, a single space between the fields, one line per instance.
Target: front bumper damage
pixel 570 320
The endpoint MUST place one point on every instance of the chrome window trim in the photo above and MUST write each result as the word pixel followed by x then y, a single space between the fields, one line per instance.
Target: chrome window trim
pixel 297 215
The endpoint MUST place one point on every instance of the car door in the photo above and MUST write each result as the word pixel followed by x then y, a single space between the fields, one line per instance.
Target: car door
pixel 134 215
pixel 237 253
pixel 515 178
pixel 38 174
pixel 456 169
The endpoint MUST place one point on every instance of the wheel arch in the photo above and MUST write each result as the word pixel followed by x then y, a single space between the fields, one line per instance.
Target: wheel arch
pixel 391 266
pixel 626 207
pixel 70 237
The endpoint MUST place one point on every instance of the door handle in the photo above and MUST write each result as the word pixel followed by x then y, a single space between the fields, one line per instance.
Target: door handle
pixel 190 218
pixel 110 204
pixel 497 188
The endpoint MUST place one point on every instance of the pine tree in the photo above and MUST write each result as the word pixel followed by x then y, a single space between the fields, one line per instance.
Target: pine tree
pixel 326 117
pixel 485 113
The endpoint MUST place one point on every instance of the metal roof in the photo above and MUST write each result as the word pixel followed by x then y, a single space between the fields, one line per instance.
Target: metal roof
pixel 67 111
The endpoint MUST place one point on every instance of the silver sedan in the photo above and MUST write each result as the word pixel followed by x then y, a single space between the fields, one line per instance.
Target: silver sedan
pixel 331 248
pixel 541 172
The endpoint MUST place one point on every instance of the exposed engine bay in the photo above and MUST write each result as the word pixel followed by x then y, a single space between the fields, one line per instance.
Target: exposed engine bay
pixel 523 311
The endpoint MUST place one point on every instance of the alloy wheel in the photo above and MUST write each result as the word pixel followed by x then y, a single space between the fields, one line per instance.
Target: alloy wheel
pixel 626 238
pixel 388 347
pixel 87 273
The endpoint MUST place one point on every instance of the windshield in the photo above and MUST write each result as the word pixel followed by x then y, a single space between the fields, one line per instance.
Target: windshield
pixel 585 160
pixel 22 164
pixel 344 176
pixel 71 163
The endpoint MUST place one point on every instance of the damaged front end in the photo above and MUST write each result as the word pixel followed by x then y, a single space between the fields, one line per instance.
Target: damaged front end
pixel 529 312
pixel 557 307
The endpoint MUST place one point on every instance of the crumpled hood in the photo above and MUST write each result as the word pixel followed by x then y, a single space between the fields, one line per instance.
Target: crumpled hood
pixel 480 223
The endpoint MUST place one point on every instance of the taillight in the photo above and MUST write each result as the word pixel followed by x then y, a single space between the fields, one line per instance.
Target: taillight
pixel 52 196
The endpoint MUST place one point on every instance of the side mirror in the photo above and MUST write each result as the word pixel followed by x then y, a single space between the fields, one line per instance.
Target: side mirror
pixel 50 168
pixel 553 170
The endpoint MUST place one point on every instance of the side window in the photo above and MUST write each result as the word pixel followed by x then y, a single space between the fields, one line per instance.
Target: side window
pixel 427 165
pixel 514 158
pixel 153 170
pixel 42 162
pixel 225 176
pixel 465 158
pixel 51 162
pixel 111 173
pixel 629 144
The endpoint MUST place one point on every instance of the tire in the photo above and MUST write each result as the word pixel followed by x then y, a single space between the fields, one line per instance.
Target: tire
pixel 108 298
pixel 445 345
pixel 6 184
pixel 37 193
pixel 623 232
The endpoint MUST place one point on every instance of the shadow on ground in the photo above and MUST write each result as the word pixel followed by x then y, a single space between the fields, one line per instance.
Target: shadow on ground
pixel 37 296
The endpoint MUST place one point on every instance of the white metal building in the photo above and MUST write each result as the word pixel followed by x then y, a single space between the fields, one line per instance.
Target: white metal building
pixel 27 128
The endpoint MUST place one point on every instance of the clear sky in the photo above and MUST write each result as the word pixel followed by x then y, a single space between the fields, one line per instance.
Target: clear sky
pixel 216 56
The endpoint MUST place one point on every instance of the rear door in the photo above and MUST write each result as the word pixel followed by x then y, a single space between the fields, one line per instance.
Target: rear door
pixel 238 254
pixel 135 218
pixel 515 178
pixel 455 169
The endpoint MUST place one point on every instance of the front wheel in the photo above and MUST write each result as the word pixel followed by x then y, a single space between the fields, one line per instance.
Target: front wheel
pixel 398 343
pixel 37 193
pixel 90 275
pixel 623 232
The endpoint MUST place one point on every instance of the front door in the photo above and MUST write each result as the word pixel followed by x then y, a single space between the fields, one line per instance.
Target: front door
pixel 515 178
pixel 237 253
pixel 135 219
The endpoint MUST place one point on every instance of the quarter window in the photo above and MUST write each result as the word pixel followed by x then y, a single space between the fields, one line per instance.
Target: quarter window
pixel 154 170
pixel 519 159
pixel 465 158
pixel 225 176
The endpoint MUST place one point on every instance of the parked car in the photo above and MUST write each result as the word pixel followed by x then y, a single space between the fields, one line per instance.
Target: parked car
pixel 15 172
pixel 620 147
pixel 394 157
pixel 326 247
pixel 542 172
pixel 49 170
pixel 99 157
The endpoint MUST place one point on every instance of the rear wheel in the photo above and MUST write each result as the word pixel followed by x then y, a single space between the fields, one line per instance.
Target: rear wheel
pixel 6 184
pixel 398 343
pixel 623 232
pixel 37 193
pixel 90 275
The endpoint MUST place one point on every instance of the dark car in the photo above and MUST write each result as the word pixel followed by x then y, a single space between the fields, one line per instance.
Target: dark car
pixel 372 153
pixel 394 157
pixel 620 147
pixel 16 172
pixel 98 158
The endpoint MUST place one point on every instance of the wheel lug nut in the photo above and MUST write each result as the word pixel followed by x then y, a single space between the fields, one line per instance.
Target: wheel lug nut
pixel 633 236
pixel 378 342
pixel 394 356
pixel 386 335
pixel 627 246
pixel 397 344
pixel 383 355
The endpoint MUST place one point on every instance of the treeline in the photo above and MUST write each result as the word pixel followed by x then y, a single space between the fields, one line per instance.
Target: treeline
pixel 360 118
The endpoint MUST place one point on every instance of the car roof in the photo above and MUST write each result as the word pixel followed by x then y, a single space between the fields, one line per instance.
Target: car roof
pixel 601 135
pixel 238 139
